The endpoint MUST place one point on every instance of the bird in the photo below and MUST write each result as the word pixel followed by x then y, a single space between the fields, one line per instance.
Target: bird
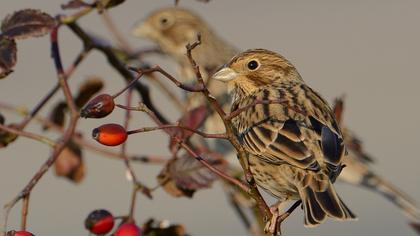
pixel 295 148
pixel 172 28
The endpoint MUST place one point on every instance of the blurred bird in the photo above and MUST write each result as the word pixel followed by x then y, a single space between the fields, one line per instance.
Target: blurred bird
pixel 173 28
pixel 296 149
pixel 359 172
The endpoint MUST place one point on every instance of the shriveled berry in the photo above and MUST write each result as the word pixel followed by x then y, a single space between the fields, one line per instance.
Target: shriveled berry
pixel 19 233
pixel 128 229
pixel 99 107
pixel 99 222
pixel 110 134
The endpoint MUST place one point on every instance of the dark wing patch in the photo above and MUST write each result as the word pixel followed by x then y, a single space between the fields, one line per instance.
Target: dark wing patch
pixel 332 146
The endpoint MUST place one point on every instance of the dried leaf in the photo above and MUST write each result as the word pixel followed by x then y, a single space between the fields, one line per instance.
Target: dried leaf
pixel 6 138
pixel 70 163
pixel 192 119
pixel 352 142
pixel 7 56
pixel 163 228
pixel 74 4
pixel 2 119
pixel 27 23
pixel 184 175
pixel 108 3
pixel 58 114
pixel 86 91
pixel 338 108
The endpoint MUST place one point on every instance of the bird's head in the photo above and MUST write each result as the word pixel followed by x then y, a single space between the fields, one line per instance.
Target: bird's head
pixel 256 68
pixel 172 28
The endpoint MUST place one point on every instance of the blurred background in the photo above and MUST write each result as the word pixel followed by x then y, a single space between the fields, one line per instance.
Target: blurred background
pixel 367 50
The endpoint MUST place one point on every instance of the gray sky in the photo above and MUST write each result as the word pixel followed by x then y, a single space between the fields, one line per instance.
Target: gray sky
pixel 367 50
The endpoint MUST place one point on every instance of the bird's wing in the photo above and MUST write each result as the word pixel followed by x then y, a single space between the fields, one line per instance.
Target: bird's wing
pixel 295 132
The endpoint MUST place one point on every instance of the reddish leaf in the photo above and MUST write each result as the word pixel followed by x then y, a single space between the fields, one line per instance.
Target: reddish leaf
pixel 163 228
pixel 192 119
pixel 352 142
pixel 27 23
pixel 338 108
pixel 74 4
pixel 70 163
pixel 7 56
pixel 184 175
pixel 86 91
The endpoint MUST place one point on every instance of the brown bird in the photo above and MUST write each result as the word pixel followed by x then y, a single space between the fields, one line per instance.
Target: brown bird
pixel 182 28
pixel 295 149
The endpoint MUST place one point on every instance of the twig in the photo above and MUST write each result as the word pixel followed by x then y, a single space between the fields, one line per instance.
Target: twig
pixel 113 60
pixel 25 207
pixel 80 57
pixel 128 49
pixel 33 136
pixel 63 141
pixel 242 154
pixel 142 107
pixel 79 140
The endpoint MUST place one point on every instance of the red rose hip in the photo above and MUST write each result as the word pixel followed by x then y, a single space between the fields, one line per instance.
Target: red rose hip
pixel 99 222
pixel 128 229
pixel 19 233
pixel 110 134
pixel 99 107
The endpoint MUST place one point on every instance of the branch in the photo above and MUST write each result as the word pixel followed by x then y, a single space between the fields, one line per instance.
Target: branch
pixel 63 141
pixel 33 136
pixel 142 107
pixel 79 140
pixel 113 60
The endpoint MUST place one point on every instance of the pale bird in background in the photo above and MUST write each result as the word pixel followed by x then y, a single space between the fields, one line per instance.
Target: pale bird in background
pixel 173 28
pixel 295 149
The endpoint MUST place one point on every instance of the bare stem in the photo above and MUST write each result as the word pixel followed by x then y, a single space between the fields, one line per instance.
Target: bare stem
pixel 63 141
pixel 33 136
pixel 25 210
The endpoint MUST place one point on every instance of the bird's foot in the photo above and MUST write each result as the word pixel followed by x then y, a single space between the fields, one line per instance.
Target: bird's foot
pixel 274 225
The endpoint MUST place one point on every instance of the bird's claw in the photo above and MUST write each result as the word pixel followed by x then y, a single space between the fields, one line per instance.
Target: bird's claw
pixel 274 225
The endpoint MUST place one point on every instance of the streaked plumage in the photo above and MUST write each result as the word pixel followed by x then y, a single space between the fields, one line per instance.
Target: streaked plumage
pixel 295 149
pixel 215 52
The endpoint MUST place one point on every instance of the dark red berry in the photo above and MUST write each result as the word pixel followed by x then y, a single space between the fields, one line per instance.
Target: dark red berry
pixel 110 134
pixel 19 233
pixel 99 222
pixel 99 107
pixel 128 229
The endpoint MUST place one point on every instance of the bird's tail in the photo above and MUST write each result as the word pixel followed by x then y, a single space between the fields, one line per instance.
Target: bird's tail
pixel 374 182
pixel 320 205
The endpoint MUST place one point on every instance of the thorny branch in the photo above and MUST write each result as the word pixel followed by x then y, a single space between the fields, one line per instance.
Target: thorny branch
pixel 76 138
pixel 63 140
pixel 242 155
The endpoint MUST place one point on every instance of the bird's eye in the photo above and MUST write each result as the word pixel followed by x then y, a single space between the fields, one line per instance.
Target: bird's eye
pixel 163 21
pixel 252 65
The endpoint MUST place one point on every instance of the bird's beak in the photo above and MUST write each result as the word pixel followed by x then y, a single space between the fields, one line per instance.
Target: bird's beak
pixel 142 30
pixel 225 74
